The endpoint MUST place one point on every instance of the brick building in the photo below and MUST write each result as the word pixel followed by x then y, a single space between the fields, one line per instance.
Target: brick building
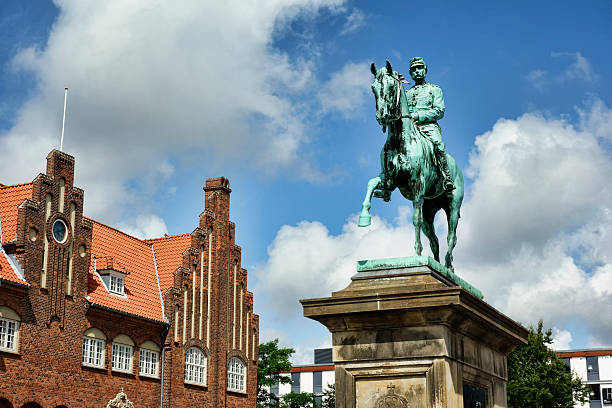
pixel 87 310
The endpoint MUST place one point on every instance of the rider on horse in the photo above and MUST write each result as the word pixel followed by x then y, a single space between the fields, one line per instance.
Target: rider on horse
pixel 426 107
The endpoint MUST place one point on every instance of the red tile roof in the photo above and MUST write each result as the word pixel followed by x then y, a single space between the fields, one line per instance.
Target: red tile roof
pixel 136 256
pixel 6 270
pixel 111 249
pixel 10 199
pixel 169 256
pixel 108 263
pixel 301 369
pixel 584 353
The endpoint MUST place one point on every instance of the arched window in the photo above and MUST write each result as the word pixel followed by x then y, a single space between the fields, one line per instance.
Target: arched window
pixel 94 342
pixel 148 360
pixel 9 329
pixel 236 375
pixel 4 403
pixel 123 350
pixel 195 366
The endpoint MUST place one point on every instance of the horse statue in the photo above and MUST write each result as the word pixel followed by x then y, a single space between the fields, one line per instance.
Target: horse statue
pixel 408 162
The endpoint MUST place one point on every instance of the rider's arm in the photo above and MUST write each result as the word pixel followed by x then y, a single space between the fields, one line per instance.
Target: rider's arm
pixel 436 112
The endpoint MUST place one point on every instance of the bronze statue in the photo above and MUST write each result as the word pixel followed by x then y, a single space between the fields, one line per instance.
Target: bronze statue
pixel 413 158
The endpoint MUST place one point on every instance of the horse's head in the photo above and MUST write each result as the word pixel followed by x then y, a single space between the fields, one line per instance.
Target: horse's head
pixel 387 88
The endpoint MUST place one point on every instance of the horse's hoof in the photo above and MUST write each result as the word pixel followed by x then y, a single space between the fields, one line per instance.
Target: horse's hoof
pixel 364 220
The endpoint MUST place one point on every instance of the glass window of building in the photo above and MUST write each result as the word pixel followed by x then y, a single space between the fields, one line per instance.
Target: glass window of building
pixel 195 366
pixel 236 375
pixel 94 342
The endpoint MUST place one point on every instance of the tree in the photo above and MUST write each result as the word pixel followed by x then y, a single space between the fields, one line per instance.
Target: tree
pixel 537 378
pixel 329 397
pixel 301 400
pixel 272 361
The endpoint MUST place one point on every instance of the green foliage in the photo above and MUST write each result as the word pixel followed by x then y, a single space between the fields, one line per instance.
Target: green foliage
pixel 301 400
pixel 272 361
pixel 537 378
pixel 329 397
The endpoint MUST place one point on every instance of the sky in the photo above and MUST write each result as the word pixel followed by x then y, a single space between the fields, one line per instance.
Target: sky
pixel 275 95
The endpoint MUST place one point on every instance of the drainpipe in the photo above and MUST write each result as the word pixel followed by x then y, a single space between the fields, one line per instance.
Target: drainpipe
pixel 163 335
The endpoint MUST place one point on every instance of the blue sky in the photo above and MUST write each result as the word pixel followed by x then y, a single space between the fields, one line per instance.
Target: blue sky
pixel 275 96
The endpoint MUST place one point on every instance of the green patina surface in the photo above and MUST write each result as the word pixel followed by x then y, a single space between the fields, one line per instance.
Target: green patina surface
pixel 413 261
pixel 413 158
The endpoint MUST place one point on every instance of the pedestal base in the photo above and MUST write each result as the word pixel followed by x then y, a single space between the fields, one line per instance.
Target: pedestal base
pixel 404 334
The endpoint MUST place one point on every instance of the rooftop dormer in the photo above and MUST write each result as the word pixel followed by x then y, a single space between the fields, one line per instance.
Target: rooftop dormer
pixel 113 274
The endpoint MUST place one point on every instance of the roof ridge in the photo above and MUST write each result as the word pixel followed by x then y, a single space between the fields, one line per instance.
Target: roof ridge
pixel 166 237
pixel 5 186
pixel 118 230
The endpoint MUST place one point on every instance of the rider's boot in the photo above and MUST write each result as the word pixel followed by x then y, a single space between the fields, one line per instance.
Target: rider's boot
pixel 448 182
pixel 384 194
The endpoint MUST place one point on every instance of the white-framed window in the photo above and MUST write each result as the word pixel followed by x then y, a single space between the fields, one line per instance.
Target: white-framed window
pixel 116 284
pixel 236 375
pixel 122 357
pixel 9 334
pixel 148 362
pixel 123 350
pixel 94 344
pixel 606 394
pixel 195 366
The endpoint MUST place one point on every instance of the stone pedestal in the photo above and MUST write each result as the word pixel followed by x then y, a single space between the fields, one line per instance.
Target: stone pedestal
pixel 407 332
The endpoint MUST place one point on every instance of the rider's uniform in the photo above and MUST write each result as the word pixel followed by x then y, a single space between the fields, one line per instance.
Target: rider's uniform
pixel 427 102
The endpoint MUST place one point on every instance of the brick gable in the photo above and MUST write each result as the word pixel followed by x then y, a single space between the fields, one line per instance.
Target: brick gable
pixel 181 291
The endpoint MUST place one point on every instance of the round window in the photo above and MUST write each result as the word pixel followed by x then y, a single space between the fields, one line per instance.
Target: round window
pixel 60 231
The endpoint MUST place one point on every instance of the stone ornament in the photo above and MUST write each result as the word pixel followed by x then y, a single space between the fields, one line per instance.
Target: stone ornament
pixel 120 401
pixel 391 400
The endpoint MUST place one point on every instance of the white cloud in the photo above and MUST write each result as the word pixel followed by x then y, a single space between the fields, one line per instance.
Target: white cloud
pixel 579 70
pixel 534 234
pixel 346 90
pixel 538 78
pixel 304 349
pixel 562 339
pixel 354 22
pixel 307 261
pixel 150 79
pixel 145 226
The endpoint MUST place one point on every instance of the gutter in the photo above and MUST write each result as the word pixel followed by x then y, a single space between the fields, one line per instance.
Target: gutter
pixel 163 335
pixel 110 309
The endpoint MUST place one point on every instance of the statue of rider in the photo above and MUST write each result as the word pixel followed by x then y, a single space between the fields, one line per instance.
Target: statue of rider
pixel 426 107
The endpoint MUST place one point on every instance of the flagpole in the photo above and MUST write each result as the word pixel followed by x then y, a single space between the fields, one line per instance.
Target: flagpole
pixel 63 120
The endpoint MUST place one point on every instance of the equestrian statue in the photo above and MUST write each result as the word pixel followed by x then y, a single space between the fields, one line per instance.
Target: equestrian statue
pixel 413 158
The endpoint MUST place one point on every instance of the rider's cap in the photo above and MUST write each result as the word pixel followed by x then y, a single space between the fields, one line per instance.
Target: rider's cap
pixel 417 61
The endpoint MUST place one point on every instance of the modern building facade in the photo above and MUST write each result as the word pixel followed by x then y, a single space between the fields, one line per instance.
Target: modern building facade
pixel 594 367
pixel 87 311
pixel 315 378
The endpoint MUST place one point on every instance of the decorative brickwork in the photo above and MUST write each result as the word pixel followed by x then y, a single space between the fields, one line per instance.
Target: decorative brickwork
pixel 180 292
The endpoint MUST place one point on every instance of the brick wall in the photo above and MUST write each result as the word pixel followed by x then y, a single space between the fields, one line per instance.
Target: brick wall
pixel 54 315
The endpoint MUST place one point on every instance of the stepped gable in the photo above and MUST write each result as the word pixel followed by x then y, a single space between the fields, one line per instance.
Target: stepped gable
pixel 169 257
pixel 135 257
pixel 10 199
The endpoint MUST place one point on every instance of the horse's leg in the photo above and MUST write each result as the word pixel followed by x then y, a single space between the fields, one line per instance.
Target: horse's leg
pixel 417 220
pixel 429 213
pixel 364 217
pixel 452 215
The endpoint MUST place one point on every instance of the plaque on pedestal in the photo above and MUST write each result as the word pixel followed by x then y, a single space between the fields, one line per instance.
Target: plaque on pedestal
pixel 408 332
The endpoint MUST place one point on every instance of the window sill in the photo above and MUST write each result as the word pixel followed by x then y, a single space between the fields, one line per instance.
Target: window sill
pixel 149 376
pixel 126 372
pixel 95 367
pixel 244 393
pixel 194 384
pixel 10 351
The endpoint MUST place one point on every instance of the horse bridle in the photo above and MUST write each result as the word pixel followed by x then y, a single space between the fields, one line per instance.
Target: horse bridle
pixel 397 106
